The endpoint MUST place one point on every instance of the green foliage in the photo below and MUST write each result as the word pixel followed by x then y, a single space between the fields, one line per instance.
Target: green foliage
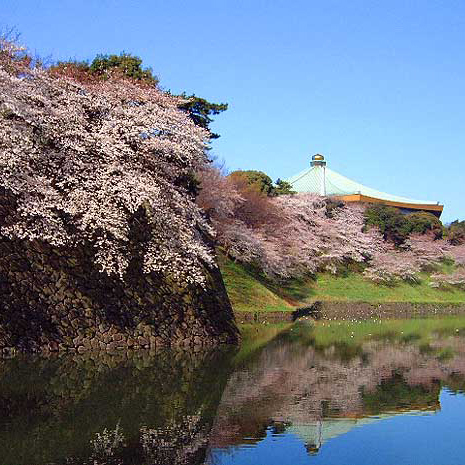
pixel 255 180
pixel 283 188
pixel 200 110
pixel 391 223
pixel 130 66
pixel 397 227
pixel 124 63
pixel 425 223
pixel 456 232
pixel 105 66
pixel 259 181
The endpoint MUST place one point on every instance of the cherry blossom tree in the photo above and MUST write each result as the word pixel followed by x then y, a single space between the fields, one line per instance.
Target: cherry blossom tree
pixel 81 162
pixel 457 253
pixel 456 279
pixel 290 236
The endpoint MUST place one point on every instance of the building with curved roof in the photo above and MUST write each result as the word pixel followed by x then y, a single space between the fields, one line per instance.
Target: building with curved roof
pixel 319 179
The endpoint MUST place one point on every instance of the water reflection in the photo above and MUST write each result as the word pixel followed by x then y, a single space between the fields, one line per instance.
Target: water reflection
pixel 318 395
pixel 178 408
pixel 66 410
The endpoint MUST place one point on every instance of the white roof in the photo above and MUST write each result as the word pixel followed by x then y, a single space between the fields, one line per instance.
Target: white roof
pixel 310 181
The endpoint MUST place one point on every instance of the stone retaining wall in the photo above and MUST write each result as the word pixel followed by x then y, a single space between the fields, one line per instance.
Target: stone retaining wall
pixel 354 311
pixel 264 317
pixel 386 310
pixel 55 299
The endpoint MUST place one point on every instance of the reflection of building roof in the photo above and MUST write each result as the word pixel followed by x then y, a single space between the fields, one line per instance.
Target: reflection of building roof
pixel 316 433
pixel 318 179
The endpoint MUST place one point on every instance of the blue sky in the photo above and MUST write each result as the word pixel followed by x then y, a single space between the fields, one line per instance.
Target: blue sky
pixel 378 87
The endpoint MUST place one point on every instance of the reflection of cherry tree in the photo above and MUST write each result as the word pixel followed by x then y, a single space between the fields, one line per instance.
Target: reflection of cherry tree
pixel 179 443
pixel 291 384
pixel 106 446
pixel 182 442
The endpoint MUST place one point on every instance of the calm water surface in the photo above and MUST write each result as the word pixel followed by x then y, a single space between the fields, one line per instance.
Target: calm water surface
pixel 338 393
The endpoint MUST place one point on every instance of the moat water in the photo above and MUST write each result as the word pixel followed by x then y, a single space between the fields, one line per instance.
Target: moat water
pixel 311 393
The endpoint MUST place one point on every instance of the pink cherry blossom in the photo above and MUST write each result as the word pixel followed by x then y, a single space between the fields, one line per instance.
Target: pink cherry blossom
pixel 81 163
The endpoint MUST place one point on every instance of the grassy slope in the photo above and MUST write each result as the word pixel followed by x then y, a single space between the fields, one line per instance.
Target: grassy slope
pixel 247 292
pixel 355 288
pixel 250 292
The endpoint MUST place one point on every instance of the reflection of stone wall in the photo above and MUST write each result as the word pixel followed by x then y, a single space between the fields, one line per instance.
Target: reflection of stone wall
pixel 51 408
pixel 55 299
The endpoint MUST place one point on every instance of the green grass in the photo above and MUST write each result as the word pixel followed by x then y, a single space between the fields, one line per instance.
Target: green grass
pixel 354 287
pixel 249 291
